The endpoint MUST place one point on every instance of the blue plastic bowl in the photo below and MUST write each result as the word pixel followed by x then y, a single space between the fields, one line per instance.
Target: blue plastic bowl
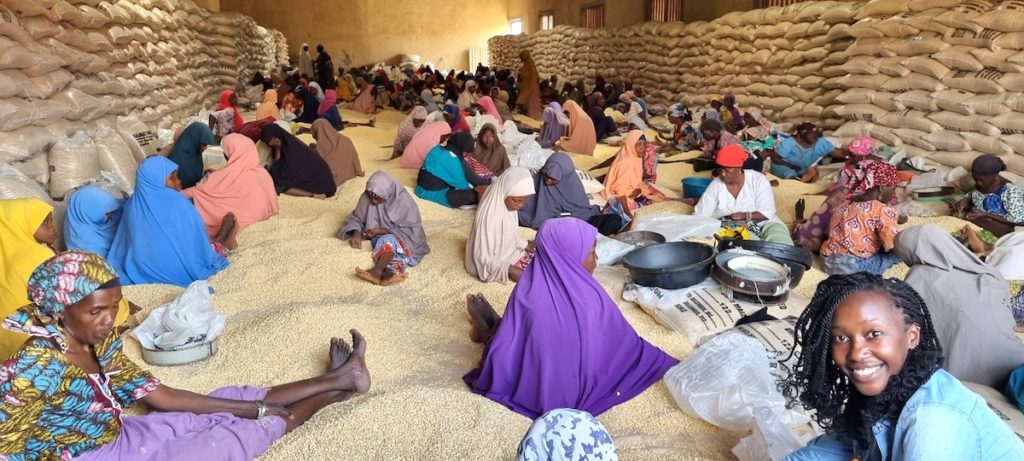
pixel 694 187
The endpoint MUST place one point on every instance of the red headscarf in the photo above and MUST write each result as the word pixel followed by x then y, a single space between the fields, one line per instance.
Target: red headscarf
pixel 225 103
pixel 330 99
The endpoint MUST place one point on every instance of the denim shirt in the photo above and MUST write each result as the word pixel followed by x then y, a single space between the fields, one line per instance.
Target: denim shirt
pixel 942 420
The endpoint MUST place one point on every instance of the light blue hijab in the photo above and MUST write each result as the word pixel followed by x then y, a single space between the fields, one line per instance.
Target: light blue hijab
pixel 161 238
pixel 86 226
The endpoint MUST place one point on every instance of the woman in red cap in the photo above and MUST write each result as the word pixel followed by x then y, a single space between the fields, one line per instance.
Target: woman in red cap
pixel 742 196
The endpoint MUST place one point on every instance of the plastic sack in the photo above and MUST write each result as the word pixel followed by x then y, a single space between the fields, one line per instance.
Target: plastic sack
pixel 189 320
pixel 23 143
pixel 13 184
pixel 115 157
pixel 36 168
pixel 771 440
pixel 609 250
pixel 727 395
pixel 73 162
pixel 79 104
pixel 139 137
pixel 677 227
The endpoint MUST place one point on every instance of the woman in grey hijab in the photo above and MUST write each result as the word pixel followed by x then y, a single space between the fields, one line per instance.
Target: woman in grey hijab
pixel 969 302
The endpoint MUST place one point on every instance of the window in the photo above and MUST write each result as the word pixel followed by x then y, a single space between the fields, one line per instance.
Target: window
pixel 665 10
pixel 515 26
pixel 592 16
pixel 547 20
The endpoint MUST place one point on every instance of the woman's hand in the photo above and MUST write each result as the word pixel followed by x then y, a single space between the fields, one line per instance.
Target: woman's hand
pixel 356 241
pixel 372 233
pixel 531 246
pixel 742 217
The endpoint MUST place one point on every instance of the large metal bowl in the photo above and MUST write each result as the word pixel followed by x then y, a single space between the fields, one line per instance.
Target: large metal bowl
pixel 640 238
pixel 671 266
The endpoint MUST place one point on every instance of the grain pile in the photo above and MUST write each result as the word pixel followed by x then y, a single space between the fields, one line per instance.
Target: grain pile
pixel 70 67
pixel 284 306
pixel 784 59
pixel 944 79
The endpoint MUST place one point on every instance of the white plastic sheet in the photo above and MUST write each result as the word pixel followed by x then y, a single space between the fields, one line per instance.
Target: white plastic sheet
pixel 189 320
pixel 677 227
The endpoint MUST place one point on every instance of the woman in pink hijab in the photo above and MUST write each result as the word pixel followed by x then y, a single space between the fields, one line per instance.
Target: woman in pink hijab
pixel 430 135
pixel 489 108
pixel 365 103
pixel 242 187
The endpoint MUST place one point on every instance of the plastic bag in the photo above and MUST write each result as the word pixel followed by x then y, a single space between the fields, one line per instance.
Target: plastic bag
pixel 771 440
pixel 13 184
pixel 189 320
pixel 73 162
pixel 115 157
pixel 609 250
pixel 725 380
pixel 677 227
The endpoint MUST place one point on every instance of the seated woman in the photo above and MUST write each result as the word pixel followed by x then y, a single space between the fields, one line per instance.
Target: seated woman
pixel 268 108
pixel 566 434
pixel 187 152
pixel 633 113
pixel 862 233
pixel 732 120
pixel 487 107
pixel 65 388
pixel 242 188
pixel 581 138
pixel 742 197
pixel 715 138
pixel 346 88
pixel 27 237
pixel 795 157
pixel 429 135
pixel 869 367
pixel 311 97
pixel 604 126
pixel 560 193
pixel 543 354
pixel 229 102
pixel 291 104
pixel 490 151
pixel 328 110
pixel 365 102
pixel 494 251
pixel 455 120
pixel 388 217
pixel 968 301
pixel 162 238
pixel 996 204
pixel 467 97
pixel 297 169
pixel 554 125
pixel 91 220
pixel 757 128
pixel 447 178
pixel 338 151
pixel 631 177
pixel 501 102
pixel 412 124
pixel 684 136
pixel 811 233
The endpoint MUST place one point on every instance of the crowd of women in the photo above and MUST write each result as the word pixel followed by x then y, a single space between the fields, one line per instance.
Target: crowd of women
pixel 898 349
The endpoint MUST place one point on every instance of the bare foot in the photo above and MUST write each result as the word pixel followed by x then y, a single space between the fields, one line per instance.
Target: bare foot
pixel 387 281
pixel 338 354
pixel 801 206
pixel 231 240
pixel 973 242
pixel 373 122
pixel 353 375
pixel 320 196
pixel 482 317
pixel 366 275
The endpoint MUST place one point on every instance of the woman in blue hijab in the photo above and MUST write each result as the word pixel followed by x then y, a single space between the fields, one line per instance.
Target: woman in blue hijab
pixel 188 153
pixel 310 104
pixel 446 178
pixel 161 238
pixel 92 219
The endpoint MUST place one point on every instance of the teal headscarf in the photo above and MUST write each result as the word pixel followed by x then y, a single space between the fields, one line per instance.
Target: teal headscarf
pixel 186 153
pixel 446 162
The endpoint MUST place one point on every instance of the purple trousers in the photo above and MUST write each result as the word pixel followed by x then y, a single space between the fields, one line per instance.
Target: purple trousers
pixel 217 436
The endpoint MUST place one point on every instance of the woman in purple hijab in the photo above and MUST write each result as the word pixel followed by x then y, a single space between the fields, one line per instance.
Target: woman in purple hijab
pixel 563 342
pixel 555 124
pixel 560 193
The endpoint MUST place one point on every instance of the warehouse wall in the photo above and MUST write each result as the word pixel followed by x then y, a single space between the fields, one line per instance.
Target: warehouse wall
pixel 212 5
pixel 365 31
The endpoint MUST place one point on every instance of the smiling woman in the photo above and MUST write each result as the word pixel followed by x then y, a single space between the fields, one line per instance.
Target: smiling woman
pixel 870 367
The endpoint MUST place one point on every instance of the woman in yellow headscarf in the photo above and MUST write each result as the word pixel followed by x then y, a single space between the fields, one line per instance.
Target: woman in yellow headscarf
pixel 346 88
pixel 27 234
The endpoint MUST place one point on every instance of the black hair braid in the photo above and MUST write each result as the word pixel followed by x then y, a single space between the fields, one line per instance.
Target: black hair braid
pixel 818 384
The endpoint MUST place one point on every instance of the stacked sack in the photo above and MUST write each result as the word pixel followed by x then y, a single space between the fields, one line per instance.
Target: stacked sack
pixel 785 60
pixel 504 51
pixel 84 86
pixel 942 78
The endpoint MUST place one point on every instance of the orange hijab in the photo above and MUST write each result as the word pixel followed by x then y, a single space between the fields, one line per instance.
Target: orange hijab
pixel 582 137
pixel 627 171
pixel 268 108
pixel 242 187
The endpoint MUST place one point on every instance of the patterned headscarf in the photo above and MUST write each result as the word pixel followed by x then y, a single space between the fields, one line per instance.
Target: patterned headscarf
pixel 57 283
pixel 876 174
pixel 566 435
pixel 863 146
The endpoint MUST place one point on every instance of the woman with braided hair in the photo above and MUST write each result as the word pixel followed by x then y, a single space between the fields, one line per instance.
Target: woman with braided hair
pixel 870 367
